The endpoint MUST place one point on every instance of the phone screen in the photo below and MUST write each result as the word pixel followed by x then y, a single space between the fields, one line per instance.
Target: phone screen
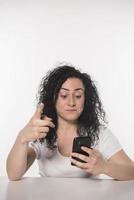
pixel 78 142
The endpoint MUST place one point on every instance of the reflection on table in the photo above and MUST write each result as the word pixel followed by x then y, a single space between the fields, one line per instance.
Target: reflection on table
pixel 67 189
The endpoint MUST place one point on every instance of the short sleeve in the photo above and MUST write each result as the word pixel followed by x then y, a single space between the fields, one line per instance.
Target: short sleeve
pixel 41 149
pixel 36 146
pixel 108 143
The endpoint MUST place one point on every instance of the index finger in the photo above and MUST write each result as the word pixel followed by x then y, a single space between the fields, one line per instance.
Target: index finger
pixel 39 111
pixel 47 118
pixel 87 150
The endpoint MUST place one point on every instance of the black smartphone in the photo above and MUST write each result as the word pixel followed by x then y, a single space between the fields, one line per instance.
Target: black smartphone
pixel 78 142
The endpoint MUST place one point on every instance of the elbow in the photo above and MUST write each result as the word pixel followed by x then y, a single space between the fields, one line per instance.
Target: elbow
pixel 13 178
pixel 12 175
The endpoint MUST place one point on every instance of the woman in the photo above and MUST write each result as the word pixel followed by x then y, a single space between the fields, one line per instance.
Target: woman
pixel 68 107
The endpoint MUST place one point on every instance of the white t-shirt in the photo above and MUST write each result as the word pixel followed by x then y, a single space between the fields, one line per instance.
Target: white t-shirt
pixel 53 164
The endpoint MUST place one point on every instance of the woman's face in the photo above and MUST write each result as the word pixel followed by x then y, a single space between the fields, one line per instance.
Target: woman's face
pixel 70 100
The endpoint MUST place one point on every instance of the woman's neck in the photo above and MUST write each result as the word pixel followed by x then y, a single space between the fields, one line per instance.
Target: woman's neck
pixel 66 127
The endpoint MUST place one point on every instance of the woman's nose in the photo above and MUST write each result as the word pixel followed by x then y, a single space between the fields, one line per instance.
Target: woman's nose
pixel 71 101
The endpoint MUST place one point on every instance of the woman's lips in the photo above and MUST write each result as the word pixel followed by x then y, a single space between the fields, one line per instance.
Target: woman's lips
pixel 71 110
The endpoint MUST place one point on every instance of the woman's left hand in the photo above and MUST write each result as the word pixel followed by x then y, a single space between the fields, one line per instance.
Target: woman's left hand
pixel 95 163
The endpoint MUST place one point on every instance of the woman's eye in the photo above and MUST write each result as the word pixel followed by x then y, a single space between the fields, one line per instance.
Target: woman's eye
pixel 78 97
pixel 63 96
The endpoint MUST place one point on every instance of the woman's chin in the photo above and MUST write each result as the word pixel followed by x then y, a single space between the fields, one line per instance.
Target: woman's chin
pixel 71 118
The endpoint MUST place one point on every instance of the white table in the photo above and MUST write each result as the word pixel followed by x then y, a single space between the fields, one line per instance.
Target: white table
pixel 65 189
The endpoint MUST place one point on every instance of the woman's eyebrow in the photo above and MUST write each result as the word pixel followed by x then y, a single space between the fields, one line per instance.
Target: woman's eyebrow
pixel 74 89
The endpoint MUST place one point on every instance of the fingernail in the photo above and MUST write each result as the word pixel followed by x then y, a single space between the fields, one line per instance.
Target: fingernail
pixel 73 154
pixel 41 104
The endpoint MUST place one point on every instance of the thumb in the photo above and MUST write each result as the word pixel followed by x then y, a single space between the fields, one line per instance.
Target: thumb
pixel 47 118
pixel 39 110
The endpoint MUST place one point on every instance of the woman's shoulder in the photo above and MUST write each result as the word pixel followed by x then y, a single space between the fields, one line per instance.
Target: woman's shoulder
pixel 106 134
pixel 104 131
pixel 107 143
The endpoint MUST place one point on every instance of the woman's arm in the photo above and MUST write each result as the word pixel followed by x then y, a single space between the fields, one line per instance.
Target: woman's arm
pixel 119 166
pixel 21 156
pixel 19 159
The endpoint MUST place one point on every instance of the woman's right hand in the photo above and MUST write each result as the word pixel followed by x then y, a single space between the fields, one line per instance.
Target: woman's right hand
pixel 36 128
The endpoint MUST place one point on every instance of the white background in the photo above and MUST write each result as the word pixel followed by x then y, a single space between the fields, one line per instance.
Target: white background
pixel 95 36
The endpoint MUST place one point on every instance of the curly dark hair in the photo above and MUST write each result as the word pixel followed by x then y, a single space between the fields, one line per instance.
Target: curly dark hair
pixel 93 115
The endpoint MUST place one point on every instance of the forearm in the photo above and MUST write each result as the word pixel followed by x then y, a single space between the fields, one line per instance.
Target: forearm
pixel 120 171
pixel 17 160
